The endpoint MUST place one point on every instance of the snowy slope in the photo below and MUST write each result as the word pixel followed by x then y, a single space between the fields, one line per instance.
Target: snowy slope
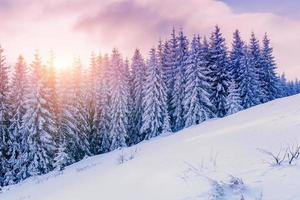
pixel 183 165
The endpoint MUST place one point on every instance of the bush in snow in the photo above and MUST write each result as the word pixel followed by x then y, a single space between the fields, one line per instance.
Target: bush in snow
pixel 285 155
pixel 233 188
pixel 123 156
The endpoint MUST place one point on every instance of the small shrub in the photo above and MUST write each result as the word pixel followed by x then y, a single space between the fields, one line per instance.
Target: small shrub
pixel 285 155
pixel 123 157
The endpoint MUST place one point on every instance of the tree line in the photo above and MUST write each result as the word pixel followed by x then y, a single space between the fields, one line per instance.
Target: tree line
pixel 49 120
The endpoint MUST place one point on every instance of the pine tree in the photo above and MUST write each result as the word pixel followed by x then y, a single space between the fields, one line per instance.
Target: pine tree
pixel 67 129
pixel 90 84
pixel 166 126
pixel 119 120
pixel 96 98
pixel 219 72
pixel 248 82
pixel 283 86
pixel 170 59
pixel 4 116
pixel 79 108
pixel 236 58
pixel 270 86
pixel 205 74
pixel 154 116
pixel 196 99
pixel 233 100
pixel 177 94
pixel 129 100
pixel 205 79
pixel 255 62
pixel 104 106
pixel 138 76
pixel 39 123
pixel 52 84
pixel 17 139
pixel 62 158
pixel 170 62
pixel 52 100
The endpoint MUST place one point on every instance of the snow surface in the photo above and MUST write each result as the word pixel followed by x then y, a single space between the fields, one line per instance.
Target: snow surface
pixel 191 164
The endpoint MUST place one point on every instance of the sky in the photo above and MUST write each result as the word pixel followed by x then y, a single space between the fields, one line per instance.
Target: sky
pixel 72 28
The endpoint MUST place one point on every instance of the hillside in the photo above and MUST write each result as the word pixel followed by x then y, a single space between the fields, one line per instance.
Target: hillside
pixel 191 164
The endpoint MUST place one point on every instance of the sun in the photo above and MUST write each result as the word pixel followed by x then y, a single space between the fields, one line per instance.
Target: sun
pixel 58 61
pixel 61 63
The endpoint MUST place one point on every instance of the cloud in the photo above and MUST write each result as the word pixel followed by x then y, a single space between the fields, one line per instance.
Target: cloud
pixel 78 26
pixel 132 23
pixel 127 22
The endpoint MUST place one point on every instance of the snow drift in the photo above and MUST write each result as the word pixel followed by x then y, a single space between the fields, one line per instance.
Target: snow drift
pixel 218 159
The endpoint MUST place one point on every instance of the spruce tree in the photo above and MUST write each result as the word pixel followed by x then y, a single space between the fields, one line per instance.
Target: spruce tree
pixel 170 62
pixel 166 125
pixel 138 76
pixel 79 108
pixel 177 94
pixel 270 86
pixel 205 79
pixel 104 106
pixel 154 116
pixel 39 123
pixel 66 123
pixel 248 81
pixel 51 83
pixel 196 98
pixel 283 86
pixel 219 72
pixel 96 99
pixel 130 103
pixel 255 62
pixel 233 100
pixel 17 137
pixel 119 105
pixel 236 58
pixel 4 116
pixel 90 84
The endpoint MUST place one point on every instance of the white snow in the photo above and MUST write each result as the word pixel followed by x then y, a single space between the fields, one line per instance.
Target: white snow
pixel 187 165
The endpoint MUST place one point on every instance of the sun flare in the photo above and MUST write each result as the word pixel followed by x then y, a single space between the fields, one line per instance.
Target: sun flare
pixel 61 63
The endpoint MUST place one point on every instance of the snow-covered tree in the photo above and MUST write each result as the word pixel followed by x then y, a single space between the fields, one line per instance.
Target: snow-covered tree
pixel 248 85
pixel 17 140
pixel 78 111
pixel 170 61
pixel 138 76
pixel 154 116
pixel 119 105
pixel 166 125
pixel 62 158
pixel 104 106
pixel 255 63
pixel 233 100
pixel 90 85
pixel 129 100
pixel 205 79
pixel 219 72
pixel 270 85
pixel 177 94
pixel 4 115
pixel 283 88
pixel 51 85
pixel 196 98
pixel 39 123
pixel 66 122
pixel 236 59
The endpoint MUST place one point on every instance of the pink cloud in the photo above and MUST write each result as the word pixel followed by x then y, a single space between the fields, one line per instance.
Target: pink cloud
pixel 79 26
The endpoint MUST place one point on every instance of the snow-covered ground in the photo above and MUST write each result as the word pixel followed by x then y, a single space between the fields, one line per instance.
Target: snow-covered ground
pixel 196 163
